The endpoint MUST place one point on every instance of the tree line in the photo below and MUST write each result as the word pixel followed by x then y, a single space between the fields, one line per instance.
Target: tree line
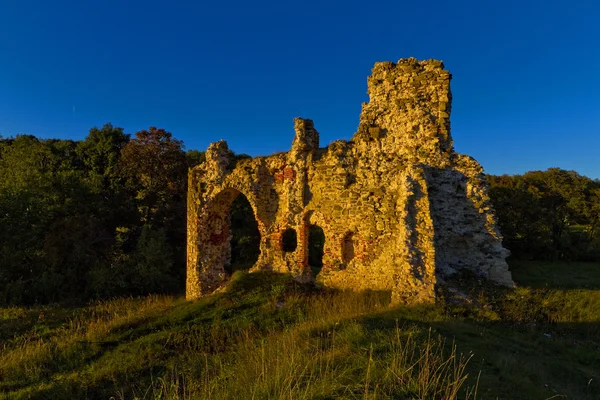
pixel 100 217
pixel 106 216
pixel 548 215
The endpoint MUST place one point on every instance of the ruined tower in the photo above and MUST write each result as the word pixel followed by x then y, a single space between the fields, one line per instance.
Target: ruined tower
pixel 399 208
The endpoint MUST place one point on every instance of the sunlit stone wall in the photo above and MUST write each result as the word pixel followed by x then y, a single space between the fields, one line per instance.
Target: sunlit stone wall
pixel 400 209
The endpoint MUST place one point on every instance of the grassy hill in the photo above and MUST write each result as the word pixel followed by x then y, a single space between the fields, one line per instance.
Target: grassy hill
pixel 268 337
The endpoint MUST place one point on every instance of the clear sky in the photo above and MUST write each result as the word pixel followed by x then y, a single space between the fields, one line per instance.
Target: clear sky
pixel 526 74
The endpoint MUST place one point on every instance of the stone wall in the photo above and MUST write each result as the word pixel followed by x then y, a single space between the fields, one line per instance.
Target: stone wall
pixel 400 209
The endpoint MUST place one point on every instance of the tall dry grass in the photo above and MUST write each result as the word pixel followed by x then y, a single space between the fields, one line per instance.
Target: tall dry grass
pixel 328 353
pixel 293 365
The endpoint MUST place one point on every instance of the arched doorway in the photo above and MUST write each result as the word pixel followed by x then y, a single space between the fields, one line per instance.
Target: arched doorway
pixel 245 236
pixel 316 244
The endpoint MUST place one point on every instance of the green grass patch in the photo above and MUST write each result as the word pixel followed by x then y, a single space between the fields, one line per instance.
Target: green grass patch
pixel 269 337
pixel 559 274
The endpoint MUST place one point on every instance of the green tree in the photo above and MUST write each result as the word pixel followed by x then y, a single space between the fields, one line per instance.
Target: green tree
pixel 40 186
pixel 546 214
pixel 100 153
pixel 154 166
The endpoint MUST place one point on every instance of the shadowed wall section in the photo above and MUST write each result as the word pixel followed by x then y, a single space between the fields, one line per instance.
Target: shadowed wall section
pixel 399 209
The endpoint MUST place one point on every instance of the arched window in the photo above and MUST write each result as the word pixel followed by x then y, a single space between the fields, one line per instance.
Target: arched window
pixel 350 247
pixel 289 240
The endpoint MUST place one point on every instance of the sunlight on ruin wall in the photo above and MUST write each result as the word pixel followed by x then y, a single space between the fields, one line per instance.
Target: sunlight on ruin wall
pixel 400 209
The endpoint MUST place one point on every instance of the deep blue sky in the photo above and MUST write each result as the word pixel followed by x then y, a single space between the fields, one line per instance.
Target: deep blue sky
pixel 526 74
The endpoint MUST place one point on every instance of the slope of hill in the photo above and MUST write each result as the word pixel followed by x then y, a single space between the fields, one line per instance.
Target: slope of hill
pixel 268 337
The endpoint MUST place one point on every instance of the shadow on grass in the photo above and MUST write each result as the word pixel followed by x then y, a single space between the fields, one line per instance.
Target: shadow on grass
pixel 556 275
pixel 519 349
pixel 512 359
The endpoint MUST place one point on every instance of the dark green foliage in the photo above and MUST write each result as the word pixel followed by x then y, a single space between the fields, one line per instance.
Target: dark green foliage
pixel 235 158
pixel 551 214
pixel 154 168
pixel 43 197
pixel 152 267
pixel 101 217
pixel 100 153
pixel 195 157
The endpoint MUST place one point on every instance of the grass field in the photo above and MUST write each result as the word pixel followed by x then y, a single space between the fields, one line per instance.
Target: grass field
pixel 267 337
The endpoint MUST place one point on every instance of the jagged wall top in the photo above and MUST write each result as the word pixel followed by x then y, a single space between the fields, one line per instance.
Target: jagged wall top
pixel 398 207
pixel 409 111
pixel 307 137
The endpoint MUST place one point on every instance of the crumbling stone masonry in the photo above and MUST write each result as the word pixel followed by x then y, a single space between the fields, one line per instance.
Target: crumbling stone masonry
pixel 400 209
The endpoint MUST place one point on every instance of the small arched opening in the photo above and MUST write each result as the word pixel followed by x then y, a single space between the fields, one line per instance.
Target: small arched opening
pixel 316 245
pixel 350 247
pixel 289 240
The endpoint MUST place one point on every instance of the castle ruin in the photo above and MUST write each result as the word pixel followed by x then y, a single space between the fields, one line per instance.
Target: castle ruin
pixel 399 208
